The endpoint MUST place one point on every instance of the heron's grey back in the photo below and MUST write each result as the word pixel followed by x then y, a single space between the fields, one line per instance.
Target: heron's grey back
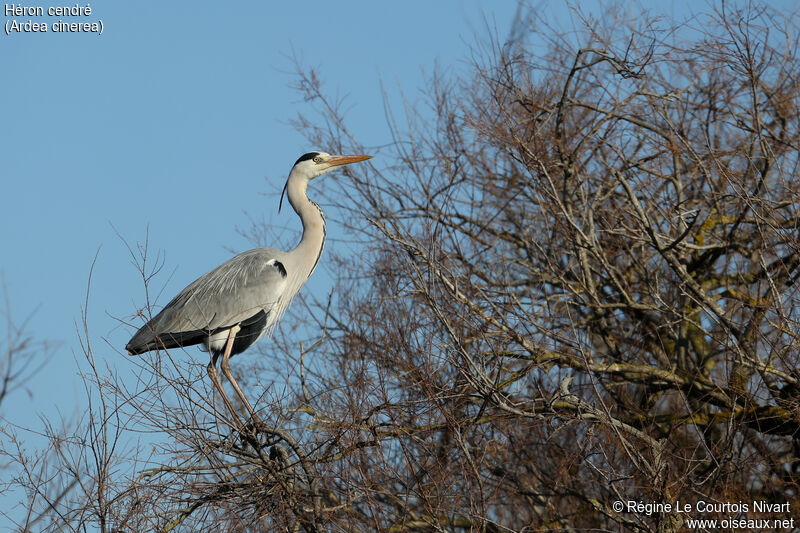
pixel 235 291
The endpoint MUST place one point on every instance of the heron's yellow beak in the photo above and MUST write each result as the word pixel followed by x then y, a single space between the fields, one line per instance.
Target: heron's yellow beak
pixel 339 160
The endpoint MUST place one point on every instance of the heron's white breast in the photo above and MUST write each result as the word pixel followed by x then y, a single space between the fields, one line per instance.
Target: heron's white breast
pixel 216 342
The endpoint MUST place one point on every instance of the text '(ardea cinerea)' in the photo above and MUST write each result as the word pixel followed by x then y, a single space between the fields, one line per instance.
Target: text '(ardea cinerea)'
pixel 229 308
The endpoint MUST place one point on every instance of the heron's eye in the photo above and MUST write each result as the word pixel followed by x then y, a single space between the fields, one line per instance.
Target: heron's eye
pixel 318 159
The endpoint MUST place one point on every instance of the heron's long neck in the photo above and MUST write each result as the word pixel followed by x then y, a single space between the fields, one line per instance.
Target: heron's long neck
pixel 309 249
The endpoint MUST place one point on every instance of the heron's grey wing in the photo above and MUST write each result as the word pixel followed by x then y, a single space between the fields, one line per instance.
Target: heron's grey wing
pixel 243 290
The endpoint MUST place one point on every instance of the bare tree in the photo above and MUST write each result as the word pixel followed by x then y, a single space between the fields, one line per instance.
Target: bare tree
pixel 580 287
pixel 22 358
pixel 574 285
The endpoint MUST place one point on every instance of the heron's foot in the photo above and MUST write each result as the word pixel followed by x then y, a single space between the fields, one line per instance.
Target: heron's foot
pixel 255 426
pixel 251 434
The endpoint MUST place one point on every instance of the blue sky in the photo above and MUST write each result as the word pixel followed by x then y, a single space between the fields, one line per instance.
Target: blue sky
pixel 175 121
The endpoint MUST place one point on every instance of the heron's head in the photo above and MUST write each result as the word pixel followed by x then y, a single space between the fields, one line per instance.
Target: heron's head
pixel 315 164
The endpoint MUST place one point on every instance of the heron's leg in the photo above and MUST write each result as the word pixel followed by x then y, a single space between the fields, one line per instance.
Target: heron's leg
pixel 226 369
pixel 212 373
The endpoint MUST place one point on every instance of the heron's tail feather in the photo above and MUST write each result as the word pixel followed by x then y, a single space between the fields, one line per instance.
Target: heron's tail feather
pixel 146 340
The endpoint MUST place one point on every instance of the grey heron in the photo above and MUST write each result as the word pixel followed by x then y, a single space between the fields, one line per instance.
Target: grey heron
pixel 229 308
